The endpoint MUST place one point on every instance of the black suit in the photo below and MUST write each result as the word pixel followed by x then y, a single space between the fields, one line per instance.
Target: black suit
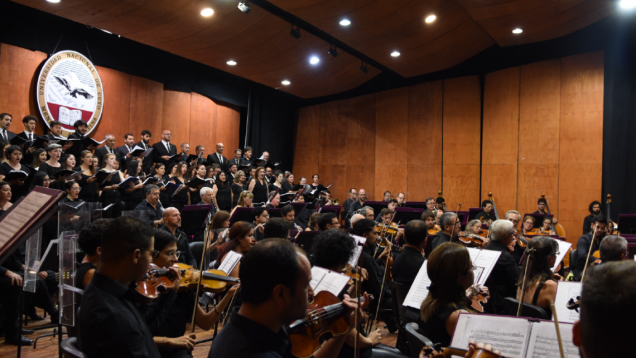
pixel 502 281
pixel 213 158
pixel 102 151
pixel 8 137
pixel 147 161
pixel 121 152
pixel 159 150
pixel 233 161
pixel 76 149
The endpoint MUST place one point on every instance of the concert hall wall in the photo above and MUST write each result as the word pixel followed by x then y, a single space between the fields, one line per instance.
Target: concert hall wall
pixel 517 132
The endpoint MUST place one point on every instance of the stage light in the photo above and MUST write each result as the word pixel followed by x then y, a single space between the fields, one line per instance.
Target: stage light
pixel 429 19
pixel 244 7
pixel 231 63
pixel 332 51
pixel 295 32
pixel 517 31
pixel 314 60
pixel 207 12
pixel 345 22
pixel 286 82
pixel 364 68
pixel 627 4
pixel 53 1
pixel 106 31
pixel 395 54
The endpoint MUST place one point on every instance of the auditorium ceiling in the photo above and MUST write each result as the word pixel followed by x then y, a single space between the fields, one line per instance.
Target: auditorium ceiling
pixel 264 51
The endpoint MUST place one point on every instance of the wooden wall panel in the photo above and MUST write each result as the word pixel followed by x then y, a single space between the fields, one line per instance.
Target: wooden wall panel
pixel 19 69
pixel 228 123
pixel 581 138
pixel 333 134
pixel 307 149
pixel 539 125
pixel 176 117
pixel 360 145
pixel 116 106
pixel 391 149
pixel 202 123
pixel 425 140
pixel 462 143
pixel 146 107
pixel 500 146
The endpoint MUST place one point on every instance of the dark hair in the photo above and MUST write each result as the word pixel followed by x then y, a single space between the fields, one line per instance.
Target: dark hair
pixel 286 209
pixel 325 220
pixel 313 221
pixel 38 179
pixel 198 148
pixel 146 132
pixel 428 214
pixel 592 205
pixel 247 148
pixel 542 200
pixel 55 123
pixel 385 192
pixel 2 115
pixel 283 267
pixel 238 150
pixel 276 228
pixel 163 238
pixel 415 232
pixel 65 158
pixel 36 158
pixel 68 185
pixel 132 168
pixel 122 235
pixel 239 230
pixel 90 237
pixel 256 212
pixel 10 150
pixel 599 218
pixel 218 219
pixel 385 211
pixel 393 201
pixel 363 226
pixel 538 269
pixel 79 123
pixel 29 118
pixel 485 203
pixel 128 134
pixel 332 249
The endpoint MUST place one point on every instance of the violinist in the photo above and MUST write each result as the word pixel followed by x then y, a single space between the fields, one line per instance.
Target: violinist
pixel 387 196
pixel 540 283
pixel 389 209
pixel 450 229
pixel 271 300
pixel 487 215
pixel 328 221
pixel 505 274
pixel 585 244
pixel 407 264
pixel 595 209
pixel 241 241
pixel 527 228
pixel 613 249
pixel 515 217
pixel 430 204
pixel 473 228
pixel 170 332
pixel 171 224
pixel 546 227
pixel 428 217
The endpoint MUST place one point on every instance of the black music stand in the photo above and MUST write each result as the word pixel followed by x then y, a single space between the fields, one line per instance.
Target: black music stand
pixel 473 212
pixel 299 206
pixel 331 209
pixel 376 205
pixel 305 240
pixel 275 212
pixel 404 215
pixel 193 218
pixel 421 205
pixel 243 214
pixel 463 217
pixel 538 218
pixel 627 224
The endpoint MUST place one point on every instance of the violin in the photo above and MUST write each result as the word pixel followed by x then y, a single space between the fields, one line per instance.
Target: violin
pixel 325 319
pixel 213 281
pixel 433 231
pixel 154 282
pixel 387 229
pixel 354 274
pixel 470 240
pixel 477 299
pixel 437 351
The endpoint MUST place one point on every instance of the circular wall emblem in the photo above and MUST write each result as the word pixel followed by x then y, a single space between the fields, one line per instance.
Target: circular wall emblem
pixel 70 89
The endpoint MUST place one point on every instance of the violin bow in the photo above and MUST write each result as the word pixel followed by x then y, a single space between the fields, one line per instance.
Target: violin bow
pixel 523 282
pixel 206 242
pixel 588 254
pixel 558 331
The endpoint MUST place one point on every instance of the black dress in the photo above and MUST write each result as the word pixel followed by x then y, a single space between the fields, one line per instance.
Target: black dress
pixel 260 193
pixel 195 197
pixel 52 172
pixel 163 197
pixel 17 191
pixel 81 273
pixel 112 197
pixel 131 200
pixel 236 191
pixel 180 199
pixel 435 328
pixel 89 191
pixel 224 197
pixel 286 188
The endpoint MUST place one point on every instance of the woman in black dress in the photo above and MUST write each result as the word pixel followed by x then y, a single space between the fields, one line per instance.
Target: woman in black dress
pixel 39 156
pixel 70 216
pixel 181 197
pixel 258 186
pixel 18 187
pixel 237 187
pixel 222 193
pixel 110 188
pixel 53 166
pixel 90 191
pixel 5 197
pixel 40 179
pixel 68 161
pixel 278 182
pixel 195 193
pixel 160 173
pixel 134 194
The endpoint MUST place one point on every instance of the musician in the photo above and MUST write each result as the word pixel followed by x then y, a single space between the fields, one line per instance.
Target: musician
pixel 430 204
pixel 391 209
pixel 584 243
pixel 401 199
pixel 5 122
pixel 289 215
pixel 270 301
pixel 90 241
pixel 277 182
pixel 237 158
pixel 111 326
pixel 540 283
pixel 247 153
pixel 109 147
pixel 428 217
pixel 275 200
pixel 241 241
pixel 367 212
pixel 163 150
pixel 222 193
pixel 206 196
pixel 474 228
pixel 220 226
pixel 613 248
pixel 528 226
pixel 487 215
pixel 346 206
pixel 407 264
pixel 450 270
pixel 269 173
pixel 56 134
pixel 124 152
pixel 316 186
pixel 5 197
pixel 541 206
pixel 261 217
pixel 181 196
pixel 152 206
pixel 328 221
pixel 200 152
pixel 312 225
pixel 245 200
pixel 503 279
pixel 450 225
pixel 258 186
pixel 14 156
pixel 387 196
pixel 81 129
pixel 595 209
pixel 440 204
pixel 515 217
pixel 145 144
pixel 218 158
pixel 276 228
pixel 171 223
pixel 231 175
pixel 134 194
pixel 546 227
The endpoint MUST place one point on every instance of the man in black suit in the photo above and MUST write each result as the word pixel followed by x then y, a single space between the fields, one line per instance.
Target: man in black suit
pixel 5 122
pixel 502 281
pixel 164 149
pixel 29 123
pixel 236 160
pixel 200 152
pixel 81 128
pixel 145 144
pixel 185 152
pixel 218 158
pixel 124 152
pixel 56 134
pixel 109 147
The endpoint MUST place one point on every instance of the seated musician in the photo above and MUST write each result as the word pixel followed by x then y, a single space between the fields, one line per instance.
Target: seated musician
pixel 367 212
pixel 473 228
pixel 358 203
pixel 272 299
pixel 332 250
pixel 275 200
pixel 110 325
pixel 151 205
pixel 585 244
pixel 289 214
pixel 487 215
pixel 502 281
pixel 171 224
pixel 609 292
pixel 276 228
pixel 539 284
pixel 328 221
pixel 260 218
pixel 546 227
pixel 401 199
pixel 541 206
pixel 440 204
pixel 391 209
pixel 450 230
pixel 313 222
pixel 90 241
pixel 428 217
pixel 527 228
pixel 170 331
pixel 588 222
pixel 408 263
pixel 245 201
pixel 450 270
pixel 430 204
pixel 613 249
pixel 241 240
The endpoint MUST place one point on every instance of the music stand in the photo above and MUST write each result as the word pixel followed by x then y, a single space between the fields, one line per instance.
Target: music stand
pixel 331 209
pixel 242 214
pixel 538 218
pixel 473 212
pixel 193 218
pixel 376 205
pixel 463 217
pixel 421 205
pixel 275 212
pixel 305 240
pixel 299 206
pixel 404 215
pixel 627 224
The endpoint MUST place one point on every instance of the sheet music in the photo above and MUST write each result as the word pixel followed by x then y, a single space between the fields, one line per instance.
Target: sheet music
pixel 419 289
pixel 507 334
pixel 325 280
pixel 357 252
pixel 483 258
pixel 21 214
pixel 229 263
pixel 543 341
pixel 566 291
pixel 564 246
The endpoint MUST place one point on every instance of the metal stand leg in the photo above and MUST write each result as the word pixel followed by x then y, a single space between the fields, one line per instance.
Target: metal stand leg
pixel 20 311
pixel 58 329
pixel 216 327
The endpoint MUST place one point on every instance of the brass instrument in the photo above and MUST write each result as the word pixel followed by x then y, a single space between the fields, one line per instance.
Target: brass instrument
pixel 335 202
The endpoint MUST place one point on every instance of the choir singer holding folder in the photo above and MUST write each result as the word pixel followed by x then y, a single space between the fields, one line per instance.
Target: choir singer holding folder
pixel 164 151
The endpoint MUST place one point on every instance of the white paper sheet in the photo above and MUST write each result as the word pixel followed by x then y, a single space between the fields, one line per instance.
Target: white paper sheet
pixel 543 341
pixel 357 252
pixel 325 280
pixel 507 334
pixel 231 260
pixel 485 259
pixel 564 246
pixel 419 289
pixel 565 291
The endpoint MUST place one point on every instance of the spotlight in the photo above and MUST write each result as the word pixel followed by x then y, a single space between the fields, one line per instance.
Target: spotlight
pixel 345 22
pixel 244 7
pixel 231 63
pixel 314 60
pixel 364 68
pixel 395 54
pixel 295 32
pixel 517 31
pixel 627 4
pixel 207 12
pixel 332 51
pixel 285 82
pixel 429 19
pixel 53 1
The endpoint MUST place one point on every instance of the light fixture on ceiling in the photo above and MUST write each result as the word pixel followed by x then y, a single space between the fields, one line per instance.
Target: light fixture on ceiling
pixel 295 32
pixel 207 12
pixel 395 54
pixel 314 60
pixel 429 19
pixel 244 7
pixel 286 82
pixel 106 31
pixel 53 1
pixel 517 31
pixel 627 4
pixel 345 22
pixel 332 51
pixel 231 63
pixel 363 68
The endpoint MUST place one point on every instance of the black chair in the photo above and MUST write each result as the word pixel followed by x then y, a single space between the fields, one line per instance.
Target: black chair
pixel 385 351
pixel 400 291
pixel 527 309
pixel 197 250
pixel 573 261
pixel 416 340
pixel 70 349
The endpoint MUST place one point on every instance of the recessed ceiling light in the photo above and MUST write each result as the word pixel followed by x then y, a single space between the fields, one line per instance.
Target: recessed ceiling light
pixel 429 19
pixel 314 60
pixel 231 63
pixel 207 12
pixel 345 22
pixel 286 82
pixel 517 31
pixel 627 4
pixel 395 54
pixel 53 1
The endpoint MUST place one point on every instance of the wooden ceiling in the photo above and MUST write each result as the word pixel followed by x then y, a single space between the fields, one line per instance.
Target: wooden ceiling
pixel 266 53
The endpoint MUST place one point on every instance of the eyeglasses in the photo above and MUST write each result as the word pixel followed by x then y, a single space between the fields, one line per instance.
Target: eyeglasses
pixel 175 254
